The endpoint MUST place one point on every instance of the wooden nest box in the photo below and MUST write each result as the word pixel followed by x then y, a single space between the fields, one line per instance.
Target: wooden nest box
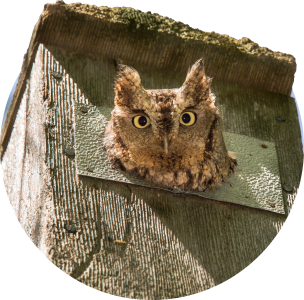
pixel 128 239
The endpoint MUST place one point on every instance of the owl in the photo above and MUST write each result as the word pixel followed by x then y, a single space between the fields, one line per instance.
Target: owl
pixel 171 138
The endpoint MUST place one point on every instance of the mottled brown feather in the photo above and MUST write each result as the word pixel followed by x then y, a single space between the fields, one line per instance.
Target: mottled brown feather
pixel 168 153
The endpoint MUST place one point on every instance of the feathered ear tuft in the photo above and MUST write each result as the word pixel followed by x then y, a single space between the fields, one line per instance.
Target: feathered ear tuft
pixel 197 85
pixel 128 86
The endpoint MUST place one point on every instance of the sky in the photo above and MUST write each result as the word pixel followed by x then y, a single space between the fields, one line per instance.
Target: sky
pixel 16 80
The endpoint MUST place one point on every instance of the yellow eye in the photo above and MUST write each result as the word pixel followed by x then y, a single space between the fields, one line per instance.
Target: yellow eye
pixel 141 122
pixel 187 118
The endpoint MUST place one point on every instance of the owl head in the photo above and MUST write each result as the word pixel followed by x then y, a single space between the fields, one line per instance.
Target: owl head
pixel 170 137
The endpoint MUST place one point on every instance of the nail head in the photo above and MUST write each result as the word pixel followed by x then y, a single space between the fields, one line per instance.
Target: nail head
pixel 70 228
pixel 69 152
pixel 56 75
pixel 280 118
pixel 287 188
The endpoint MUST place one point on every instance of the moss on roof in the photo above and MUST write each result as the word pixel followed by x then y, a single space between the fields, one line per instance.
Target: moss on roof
pixel 158 23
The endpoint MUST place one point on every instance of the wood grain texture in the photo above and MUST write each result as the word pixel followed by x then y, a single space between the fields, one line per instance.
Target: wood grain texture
pixel 26 176
pixel 139 242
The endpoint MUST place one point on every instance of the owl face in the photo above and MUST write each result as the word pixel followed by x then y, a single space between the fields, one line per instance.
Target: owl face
pixel 164 131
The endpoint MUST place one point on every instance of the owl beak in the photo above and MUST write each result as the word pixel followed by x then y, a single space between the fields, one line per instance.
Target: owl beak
pixel 166 143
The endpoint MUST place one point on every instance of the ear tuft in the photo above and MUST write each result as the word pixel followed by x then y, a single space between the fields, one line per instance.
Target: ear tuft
pixel 127 85
pixel 197 85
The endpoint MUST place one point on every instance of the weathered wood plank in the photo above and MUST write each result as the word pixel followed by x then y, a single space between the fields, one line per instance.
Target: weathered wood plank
pixel 157 41
pixel 27 178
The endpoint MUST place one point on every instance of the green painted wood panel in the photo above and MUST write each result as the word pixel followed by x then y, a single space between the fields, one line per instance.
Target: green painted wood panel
pixel 255 184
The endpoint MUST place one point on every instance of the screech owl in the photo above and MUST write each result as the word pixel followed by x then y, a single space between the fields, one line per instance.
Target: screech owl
pixel 169 137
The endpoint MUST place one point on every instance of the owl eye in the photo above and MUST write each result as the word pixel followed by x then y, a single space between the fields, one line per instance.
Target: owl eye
pixel 187 118
pixel 141 122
